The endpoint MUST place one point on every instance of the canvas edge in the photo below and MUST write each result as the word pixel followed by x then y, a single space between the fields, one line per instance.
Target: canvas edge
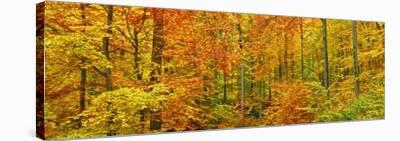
pixel 40 10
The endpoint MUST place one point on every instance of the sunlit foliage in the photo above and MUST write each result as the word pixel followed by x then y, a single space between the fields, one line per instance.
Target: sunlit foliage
pixel 118 70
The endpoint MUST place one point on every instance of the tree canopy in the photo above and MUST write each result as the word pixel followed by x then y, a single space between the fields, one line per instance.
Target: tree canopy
pixel 117 70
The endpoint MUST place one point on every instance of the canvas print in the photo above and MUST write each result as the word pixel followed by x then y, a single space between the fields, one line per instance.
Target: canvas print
pixel 108 70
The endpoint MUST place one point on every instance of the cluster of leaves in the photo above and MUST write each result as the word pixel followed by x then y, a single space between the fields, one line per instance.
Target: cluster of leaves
pixel 119 110
pixel 291 106
pixel 368 106
pixel 223 116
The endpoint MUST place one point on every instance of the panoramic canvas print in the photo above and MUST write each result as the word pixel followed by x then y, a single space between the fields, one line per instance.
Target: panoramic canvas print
pixel 107 70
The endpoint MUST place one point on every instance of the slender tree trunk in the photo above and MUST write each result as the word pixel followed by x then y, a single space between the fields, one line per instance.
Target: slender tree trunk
pixel 225 87
pixel 355 59
pixel 136 57
pixel 251 85
pixel 285 58
pixel 83 71
pixel 82 90
pixel 302 48
pixel 136 46
pixel 106 44
pixel 279 67
pixel 242 87
pixel 269 93
pixel 261 88
pixel 242 83
pixel 107 74
pixel 325 55
pixel 292 67
pixel 231 85
pixel 238 84
pixel 112 131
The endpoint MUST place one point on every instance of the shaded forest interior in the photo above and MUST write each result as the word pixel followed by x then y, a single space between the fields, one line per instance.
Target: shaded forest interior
pixel 117 70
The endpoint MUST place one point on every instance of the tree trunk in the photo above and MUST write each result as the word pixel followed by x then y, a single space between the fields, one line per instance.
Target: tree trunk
pixel 107 74
pixel 325 55
pixel 158 44
pixel 156 57
pixel 225 93
pixel 82 90
pixel 279 67
pixel 269 93
pixel 136 57
pixel 112 131
pixel 355 59
pixel 135 44
pixel 285 58
pixel 261 88
pixel 302 48
pixel 242 84
pixel 242 87
pixel 83 71
pixel 106 52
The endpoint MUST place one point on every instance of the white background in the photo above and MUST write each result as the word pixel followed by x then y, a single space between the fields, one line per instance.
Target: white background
pixel 17 69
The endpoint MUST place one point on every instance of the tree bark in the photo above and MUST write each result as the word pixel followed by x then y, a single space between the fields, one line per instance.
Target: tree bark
pixel 269 93
pixel 325 55
pixel 242 87
pixel 225 87
pixel 302 48
pixel 106 52
pixel 136 60
pixel 242 83
pixel 355 59
pixel 107 74
pixel 82 90
pixel 158 44
pixel 83 72
pixel 285 58
pixel 156 57
pixel 280 66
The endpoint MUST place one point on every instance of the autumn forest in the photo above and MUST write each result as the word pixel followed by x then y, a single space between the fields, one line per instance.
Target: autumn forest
pixel 119 70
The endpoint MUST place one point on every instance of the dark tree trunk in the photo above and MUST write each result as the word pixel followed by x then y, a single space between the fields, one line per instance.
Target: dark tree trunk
pixel 134 41
pixel 355 59
pixel 106 49
pixel 83 71
pixel 279 67
pixel 136 47
pixel 107 73
pixel 136 57
pixel 242 87
pixel 111 131
pixel 82 90
pixel 325 55
pixel 269 93
pixel 261 88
